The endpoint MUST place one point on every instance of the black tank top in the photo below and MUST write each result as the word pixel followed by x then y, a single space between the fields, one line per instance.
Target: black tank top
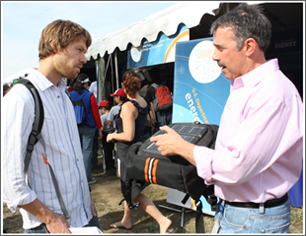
pixel 139 122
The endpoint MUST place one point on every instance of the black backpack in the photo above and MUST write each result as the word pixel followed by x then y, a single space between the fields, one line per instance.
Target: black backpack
pixel 35 136
pixel 147 165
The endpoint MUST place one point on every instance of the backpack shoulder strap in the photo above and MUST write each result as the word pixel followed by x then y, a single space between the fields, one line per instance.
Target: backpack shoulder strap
pixel 38 121
pixel 86 112
pixel 85 94
pixel 79 102
pixel 35 136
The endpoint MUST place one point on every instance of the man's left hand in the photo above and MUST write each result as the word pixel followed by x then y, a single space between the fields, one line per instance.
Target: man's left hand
pixel 100 134
pixel 93 209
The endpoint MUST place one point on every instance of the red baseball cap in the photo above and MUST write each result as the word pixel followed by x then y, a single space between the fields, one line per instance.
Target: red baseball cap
pixel 104 103
pixel 119 92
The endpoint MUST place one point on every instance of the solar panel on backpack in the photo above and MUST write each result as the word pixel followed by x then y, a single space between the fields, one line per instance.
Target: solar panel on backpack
pixel 190 132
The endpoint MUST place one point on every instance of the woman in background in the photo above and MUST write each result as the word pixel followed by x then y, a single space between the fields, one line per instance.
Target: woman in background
pixel 130 122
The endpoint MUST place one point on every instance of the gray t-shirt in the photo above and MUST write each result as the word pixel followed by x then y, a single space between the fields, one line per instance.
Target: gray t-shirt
pixel 113 111
pixel 106 127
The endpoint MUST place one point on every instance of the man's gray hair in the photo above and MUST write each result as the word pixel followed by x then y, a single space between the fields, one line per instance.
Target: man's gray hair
pixel 246 21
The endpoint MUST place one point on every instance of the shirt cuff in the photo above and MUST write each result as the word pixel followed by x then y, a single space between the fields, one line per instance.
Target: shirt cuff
pixel 25 199
pixel 203 159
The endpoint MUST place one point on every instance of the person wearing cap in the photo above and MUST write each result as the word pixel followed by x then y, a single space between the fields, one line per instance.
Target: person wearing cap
pixel 119 97
pixel 108 161
pixel 87 129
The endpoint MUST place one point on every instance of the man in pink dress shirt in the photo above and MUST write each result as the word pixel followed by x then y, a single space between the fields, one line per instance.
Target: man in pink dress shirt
pixel 259 148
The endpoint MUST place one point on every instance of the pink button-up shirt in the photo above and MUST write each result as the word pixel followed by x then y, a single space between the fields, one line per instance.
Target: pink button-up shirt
pixel 259 148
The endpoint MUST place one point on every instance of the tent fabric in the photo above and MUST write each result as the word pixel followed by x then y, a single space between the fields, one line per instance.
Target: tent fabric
pixel 166 21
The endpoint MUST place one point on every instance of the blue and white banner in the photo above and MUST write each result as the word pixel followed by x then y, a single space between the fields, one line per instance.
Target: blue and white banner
pixel 200 89
pixel 158 52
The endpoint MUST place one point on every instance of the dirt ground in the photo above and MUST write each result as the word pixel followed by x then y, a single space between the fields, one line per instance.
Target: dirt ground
pixel 106 194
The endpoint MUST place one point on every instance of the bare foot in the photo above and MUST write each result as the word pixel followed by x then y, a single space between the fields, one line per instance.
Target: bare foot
pixel 163 227
pixel 120 225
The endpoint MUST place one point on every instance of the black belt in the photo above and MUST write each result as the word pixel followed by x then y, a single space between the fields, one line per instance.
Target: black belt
pixel 270 203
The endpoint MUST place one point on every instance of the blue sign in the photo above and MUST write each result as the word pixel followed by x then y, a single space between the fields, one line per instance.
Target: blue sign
pixel 158 52
pixel 200 89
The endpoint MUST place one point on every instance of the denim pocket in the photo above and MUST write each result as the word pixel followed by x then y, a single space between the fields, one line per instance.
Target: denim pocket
pixel 236 217
pixel 275 220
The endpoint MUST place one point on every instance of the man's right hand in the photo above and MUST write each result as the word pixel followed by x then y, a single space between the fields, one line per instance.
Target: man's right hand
pixel 53 222
pixel 58 224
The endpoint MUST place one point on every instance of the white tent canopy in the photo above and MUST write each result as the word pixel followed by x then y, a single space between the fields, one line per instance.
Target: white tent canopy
pixel 188 12
pixel 166 21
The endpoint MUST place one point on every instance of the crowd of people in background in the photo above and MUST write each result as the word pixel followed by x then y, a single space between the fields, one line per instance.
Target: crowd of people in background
pixel 155 119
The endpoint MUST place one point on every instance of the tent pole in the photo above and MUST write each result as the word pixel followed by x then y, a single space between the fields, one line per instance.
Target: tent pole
pixel 116 70
pixel 107 65
pixel 98 80
pixel 112 72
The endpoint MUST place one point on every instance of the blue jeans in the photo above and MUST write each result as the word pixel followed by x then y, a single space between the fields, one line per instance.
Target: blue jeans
pixel 42 229
pixel 94 159
pixel 87 135
pixel 239 220
pixel 164 117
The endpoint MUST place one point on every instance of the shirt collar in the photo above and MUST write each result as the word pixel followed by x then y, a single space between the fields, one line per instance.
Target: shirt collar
pixel 252 78
pixel 43 83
